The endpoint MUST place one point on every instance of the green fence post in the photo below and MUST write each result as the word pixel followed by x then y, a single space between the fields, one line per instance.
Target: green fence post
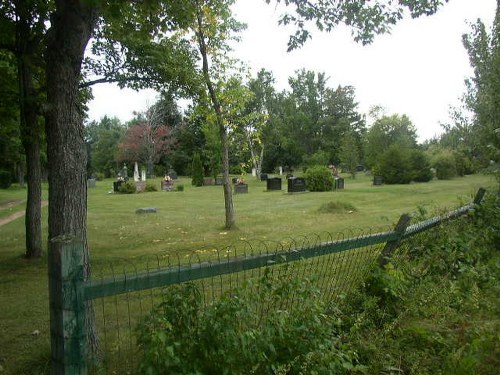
pixel 390 246
pixel 67 306
pixel 479 196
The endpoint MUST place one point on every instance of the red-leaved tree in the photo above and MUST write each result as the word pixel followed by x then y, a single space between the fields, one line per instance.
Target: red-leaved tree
pixel 145 143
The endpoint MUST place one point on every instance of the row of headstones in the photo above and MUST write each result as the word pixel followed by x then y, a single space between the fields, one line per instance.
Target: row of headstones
pixel 294 184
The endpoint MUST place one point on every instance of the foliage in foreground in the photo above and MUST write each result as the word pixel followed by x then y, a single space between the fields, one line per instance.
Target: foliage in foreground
pixel 276 326
pixel 433 310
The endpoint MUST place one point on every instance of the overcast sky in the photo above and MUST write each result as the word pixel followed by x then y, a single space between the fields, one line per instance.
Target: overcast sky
pixel 418 70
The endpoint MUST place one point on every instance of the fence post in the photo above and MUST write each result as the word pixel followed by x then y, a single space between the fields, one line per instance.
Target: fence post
pixel 479 196
pixel 67 306
pixel 390 246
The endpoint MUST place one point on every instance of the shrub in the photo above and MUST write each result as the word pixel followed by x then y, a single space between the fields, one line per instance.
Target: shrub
pixel 179 187
pixel 444 163
pixel 128 188
pixel 463 164
pixel 319 178
pixel 99 176
pixel 254 329
pixel 150 187
pixel 395 165
pixel 421 167
pixel 197 170
pixel 5 179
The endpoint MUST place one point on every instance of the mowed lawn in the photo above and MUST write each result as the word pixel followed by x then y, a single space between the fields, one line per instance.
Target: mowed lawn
pixel 187 221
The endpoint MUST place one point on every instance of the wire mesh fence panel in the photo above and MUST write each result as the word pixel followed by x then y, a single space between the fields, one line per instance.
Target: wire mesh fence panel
pixel 335 263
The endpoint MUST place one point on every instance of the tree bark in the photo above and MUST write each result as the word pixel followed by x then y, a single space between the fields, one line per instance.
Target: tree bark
pixel 71 27
pixel 30 135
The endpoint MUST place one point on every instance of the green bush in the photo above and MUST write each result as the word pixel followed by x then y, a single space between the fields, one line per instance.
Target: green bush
pixel 463 164
pixel 319 178
pixel 128 188
pixel 395 165
pixel 421 167
pixel 150 187
pixel 197 170
pixel 5 179
pixel 179 187
pixel 254 330
pixel 445 165
pixel 99 176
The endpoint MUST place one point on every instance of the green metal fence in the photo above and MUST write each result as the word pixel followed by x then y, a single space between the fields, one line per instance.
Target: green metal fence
pixel 122 295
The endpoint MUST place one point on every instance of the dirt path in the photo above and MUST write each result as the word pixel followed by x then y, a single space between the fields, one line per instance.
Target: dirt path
pixel 15 215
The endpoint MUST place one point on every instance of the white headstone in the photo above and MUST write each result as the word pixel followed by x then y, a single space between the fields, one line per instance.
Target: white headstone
pixel 254 172
pixel 143 174
pixel 136 172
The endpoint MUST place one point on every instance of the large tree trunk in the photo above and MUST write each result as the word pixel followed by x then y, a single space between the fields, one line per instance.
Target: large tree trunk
pixel 30 135
pixel 71 28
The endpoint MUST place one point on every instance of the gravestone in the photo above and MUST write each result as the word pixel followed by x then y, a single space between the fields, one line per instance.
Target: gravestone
pixel 240 188
pixel 208 181
pixel 263 177
pixel 136 172
pixel 219 181
pixel 146 210
pixel 117 185
pixel 274 183
pixel 296 184
pixel 124 173
pixel 377 180
pixel 339 183
pixel 91 183
pixel 140 186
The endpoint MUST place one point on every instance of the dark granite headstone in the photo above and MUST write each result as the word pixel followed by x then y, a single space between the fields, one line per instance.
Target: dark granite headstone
pixel 339 183
pixel 296 184
pixel 274 183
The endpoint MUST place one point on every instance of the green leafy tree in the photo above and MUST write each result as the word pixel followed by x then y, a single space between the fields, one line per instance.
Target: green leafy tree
pixel 395 166
pixel 349 154
pixel 387 131
pixel 308 92
pixel 483 89
pixel 341 118
pixel 102 139
pixel 365 19
pixel 213 27
pixel 197 170
pixel 421 166
pixel 445 164
pixel 11 154
pixel 257 125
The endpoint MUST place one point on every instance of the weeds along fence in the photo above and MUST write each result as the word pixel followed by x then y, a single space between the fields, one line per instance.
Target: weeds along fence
pixel 118 298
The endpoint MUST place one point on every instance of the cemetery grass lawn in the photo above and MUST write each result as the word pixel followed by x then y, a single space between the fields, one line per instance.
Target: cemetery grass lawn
pixel 187 221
